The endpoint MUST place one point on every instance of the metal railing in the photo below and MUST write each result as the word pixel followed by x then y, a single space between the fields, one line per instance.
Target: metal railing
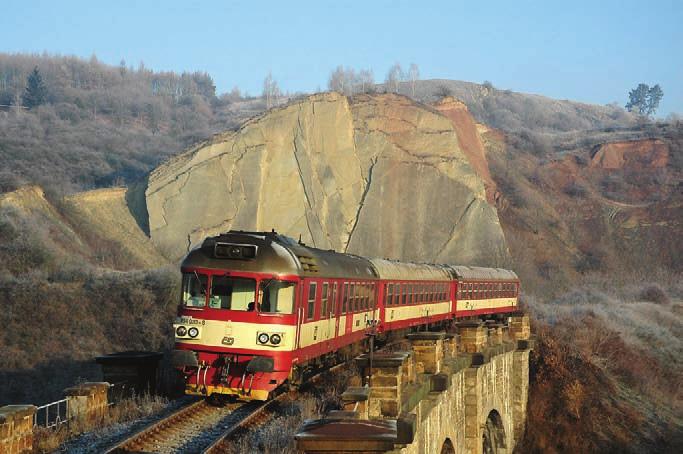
pixel 51 415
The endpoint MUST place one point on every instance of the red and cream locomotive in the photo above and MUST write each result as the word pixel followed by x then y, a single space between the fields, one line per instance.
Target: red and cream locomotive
pixel 260 309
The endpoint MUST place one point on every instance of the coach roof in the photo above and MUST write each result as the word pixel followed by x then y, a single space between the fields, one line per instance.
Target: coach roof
pixel 390 269
pixel 480 273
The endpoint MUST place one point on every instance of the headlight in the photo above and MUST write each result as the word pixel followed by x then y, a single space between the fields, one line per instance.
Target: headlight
pixel 181 331
pixel 263 338
pixel 275 339
pixel 193 332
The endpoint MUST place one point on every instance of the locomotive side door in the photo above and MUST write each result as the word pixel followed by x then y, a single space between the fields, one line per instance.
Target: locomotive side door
pixel 299 312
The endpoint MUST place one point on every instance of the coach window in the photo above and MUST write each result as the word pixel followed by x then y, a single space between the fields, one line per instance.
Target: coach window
pixel 333 299
pixel 388 301
pixel 277 297
pixel 345 297
pixel 363 296
pixel 353 298
pixel 312 288
pixel 360 291
pixel 324 297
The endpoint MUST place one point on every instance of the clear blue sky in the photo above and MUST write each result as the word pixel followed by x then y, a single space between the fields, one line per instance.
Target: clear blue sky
pixel 591 51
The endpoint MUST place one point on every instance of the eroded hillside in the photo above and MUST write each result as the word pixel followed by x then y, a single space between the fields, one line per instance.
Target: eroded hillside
pixel 608 206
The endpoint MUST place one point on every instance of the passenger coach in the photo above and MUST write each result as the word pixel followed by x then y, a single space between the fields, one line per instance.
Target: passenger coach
pixel 261 309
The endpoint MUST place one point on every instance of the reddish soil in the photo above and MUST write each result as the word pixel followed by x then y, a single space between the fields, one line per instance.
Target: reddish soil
pixel 636 155
pixel 469 139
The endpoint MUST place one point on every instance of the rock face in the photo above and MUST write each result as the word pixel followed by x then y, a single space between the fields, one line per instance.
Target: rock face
pixel 377 175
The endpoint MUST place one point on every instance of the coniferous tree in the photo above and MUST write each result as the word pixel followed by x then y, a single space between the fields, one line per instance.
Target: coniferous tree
pixel 637 99
pixel 36 92
pixel 654 95
pixel 644 99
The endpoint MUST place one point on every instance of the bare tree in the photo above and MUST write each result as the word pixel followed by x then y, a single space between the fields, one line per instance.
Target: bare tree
pixel 343 80
pixel 413 76
pixel 271 90
pixel 394 77
pixel 366 79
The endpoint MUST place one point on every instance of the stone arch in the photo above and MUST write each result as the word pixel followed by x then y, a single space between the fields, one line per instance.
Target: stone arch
pixel 447 447
pixel 493 437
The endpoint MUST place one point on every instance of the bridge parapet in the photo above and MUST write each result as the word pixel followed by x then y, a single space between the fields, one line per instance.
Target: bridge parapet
pixel 463 393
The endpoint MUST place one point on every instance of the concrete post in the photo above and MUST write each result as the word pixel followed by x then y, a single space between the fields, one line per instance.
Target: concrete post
pixel 16 428
pixel 450 345
pixel 519 327
pixel 472 336
pixel 355 400
pixel 87 402
pixel 390 371
pixel 495 332
pixel 428 351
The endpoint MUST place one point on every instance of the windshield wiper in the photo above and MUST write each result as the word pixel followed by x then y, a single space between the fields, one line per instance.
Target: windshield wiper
pixel 200 282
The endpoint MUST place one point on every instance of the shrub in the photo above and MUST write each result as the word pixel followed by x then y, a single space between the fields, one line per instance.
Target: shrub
pixel 654 294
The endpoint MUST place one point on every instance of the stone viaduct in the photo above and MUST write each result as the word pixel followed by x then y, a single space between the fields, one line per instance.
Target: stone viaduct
pixel 450 393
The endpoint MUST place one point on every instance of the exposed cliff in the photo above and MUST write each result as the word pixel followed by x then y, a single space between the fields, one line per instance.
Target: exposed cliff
pixel 375 175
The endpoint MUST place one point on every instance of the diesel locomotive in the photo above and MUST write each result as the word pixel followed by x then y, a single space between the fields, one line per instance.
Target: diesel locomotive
pixel 259 309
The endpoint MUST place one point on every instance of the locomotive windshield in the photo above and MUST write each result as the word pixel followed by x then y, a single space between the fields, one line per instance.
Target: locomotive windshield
pixel 234 293
pixel 194 289
pixel 277 297
pixel 225 292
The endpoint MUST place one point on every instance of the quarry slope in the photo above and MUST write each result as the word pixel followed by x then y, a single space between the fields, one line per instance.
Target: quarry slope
pixel 377 175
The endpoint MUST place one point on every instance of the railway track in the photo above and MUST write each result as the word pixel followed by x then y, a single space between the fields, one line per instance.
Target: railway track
pixel 191 429
pixel 203 428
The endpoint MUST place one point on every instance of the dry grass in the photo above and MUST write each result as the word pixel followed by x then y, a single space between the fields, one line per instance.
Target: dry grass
pixel 314 401
pixel 130 409
pixel 607 372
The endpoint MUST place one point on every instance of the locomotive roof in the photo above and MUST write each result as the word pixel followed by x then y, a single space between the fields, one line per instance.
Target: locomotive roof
pixel 480 273
pixel 391 269
pixel 279 254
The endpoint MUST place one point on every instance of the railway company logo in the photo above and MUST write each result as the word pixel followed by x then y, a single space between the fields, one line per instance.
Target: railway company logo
pixel 227 340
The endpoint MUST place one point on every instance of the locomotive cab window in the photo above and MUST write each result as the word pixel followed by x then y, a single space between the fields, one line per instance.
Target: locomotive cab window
pixel 232 293
pixel 277 297
pixel 194 289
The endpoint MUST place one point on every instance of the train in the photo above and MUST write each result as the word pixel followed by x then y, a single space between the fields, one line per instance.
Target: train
pixel 260 310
